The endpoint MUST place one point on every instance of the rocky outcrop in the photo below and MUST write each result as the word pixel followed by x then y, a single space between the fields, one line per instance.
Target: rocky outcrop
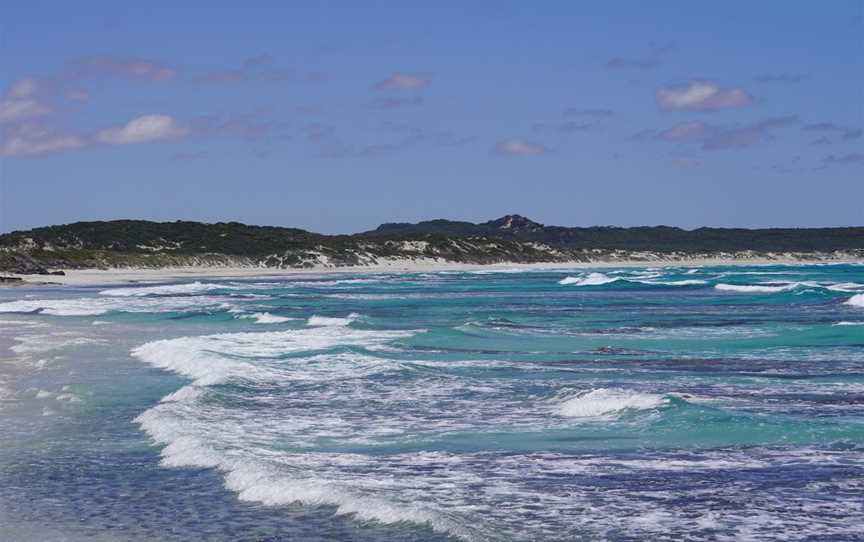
pixel 22 264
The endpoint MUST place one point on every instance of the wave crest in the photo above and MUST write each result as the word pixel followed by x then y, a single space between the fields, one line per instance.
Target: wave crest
pixel 755 288
pixel 592 279
pixel 606 402
pixel 266 318
pixel 856 300
pixel 167 289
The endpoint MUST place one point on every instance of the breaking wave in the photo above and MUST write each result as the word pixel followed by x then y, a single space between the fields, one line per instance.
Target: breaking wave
pixel 856 300
pixel 604 403
pixel 266 318
pixel 97 306
pixel 755 288
pixel 330 321
pixel 196 432
pixel 599 279
pixel 592 279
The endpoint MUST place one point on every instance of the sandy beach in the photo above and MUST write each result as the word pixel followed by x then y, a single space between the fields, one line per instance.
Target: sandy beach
pixel 95 277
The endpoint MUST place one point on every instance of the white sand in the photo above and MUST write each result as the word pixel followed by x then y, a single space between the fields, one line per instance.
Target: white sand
pixel 94 277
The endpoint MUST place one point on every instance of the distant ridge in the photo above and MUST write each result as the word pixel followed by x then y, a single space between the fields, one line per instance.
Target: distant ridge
pixel 655 238
pixel 512 238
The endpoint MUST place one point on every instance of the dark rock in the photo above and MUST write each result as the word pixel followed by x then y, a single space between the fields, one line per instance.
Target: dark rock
pixel 20 264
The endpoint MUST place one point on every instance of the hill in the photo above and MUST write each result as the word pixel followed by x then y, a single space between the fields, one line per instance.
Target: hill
pixel 653 238
pixel 511 238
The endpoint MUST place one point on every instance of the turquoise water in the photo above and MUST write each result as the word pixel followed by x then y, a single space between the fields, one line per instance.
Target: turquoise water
pixel 672 403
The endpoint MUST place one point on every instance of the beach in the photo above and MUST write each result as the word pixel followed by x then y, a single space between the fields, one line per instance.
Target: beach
pixel 91 277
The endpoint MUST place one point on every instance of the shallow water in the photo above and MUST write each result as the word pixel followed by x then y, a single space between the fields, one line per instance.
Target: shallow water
pixel 620 404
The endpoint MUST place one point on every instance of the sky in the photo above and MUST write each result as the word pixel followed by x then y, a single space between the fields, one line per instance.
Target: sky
pixel 338 116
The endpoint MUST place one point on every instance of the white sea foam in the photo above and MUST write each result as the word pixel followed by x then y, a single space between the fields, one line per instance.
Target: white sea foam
pixel 785 286
pixel 845 287
pixel 56 307
pixel 316 320
pixel 168 289
pixel 21 323
pixel 688 282
pixel 93 306
pixel 331 283
pixel 856 300
pixel 844 323
pixel 258 484
pixel 755 288
pixel 266 318
pixel 598 279
pixel 35 344
pixel 603 402
pixel 592 279
pixel 262 481
pixel 212 359
pixel 197 434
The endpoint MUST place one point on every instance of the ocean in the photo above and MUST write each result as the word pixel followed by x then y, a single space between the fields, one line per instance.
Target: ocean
pixel 673 403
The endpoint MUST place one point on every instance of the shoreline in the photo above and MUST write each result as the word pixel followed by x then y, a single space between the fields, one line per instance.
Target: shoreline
pixel 107 277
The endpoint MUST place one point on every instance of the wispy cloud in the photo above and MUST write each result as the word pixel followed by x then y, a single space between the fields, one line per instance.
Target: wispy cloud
pixel 647 61
pixel 143 129
pixel 118 66
pixel 519 147
pixel 701 95
pixel 846 133
pixel 843 159
pixel 576 120
pixel 781 78
pixel 21 101
pixel 746 136
pixel 377 149
pixel 393 102
pixel 589 113
pixel 256 68
pixel 33 138
pixel 325 140
pixel 715 138
pixel 12 109
pixel 683 132
pixel 405 81
pixel 259 123
pixel 413 135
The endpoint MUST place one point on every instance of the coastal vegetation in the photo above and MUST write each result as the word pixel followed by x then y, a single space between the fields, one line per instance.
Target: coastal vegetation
pixel 512 238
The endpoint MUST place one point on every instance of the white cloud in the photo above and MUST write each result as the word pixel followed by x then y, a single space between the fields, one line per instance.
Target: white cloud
pixel 23 88
pixel 33 138
pixel 19 101
pixel 698 95
pixel 519 147
pixel 144 129
pixel 12 109
pixel 685 131
pixel 405 81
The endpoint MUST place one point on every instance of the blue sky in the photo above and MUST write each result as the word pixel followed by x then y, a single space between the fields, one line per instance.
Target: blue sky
pixel 337 116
